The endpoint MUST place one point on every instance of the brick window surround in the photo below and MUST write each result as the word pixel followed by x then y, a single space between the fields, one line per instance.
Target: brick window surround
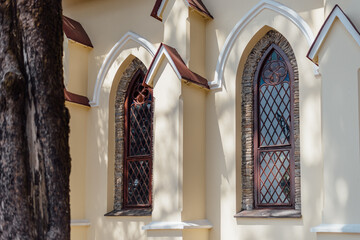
pixel 121 91
pixel 247 112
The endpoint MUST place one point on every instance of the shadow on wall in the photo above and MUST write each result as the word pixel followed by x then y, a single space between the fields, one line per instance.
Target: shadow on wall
pixel 219 170
pixel 341 149
pixel 173 33
pixel 359 98
pixel 167 151
pixel 122 228
pixel 111 176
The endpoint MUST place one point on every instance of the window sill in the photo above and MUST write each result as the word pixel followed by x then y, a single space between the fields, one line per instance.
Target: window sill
pixel 269 213
pixel 129 213
pixel 80 223
pixel 336 228
pixel 198 224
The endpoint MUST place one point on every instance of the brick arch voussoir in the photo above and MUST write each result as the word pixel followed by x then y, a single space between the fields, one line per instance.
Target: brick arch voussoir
pixel 121 90
pixel 247 123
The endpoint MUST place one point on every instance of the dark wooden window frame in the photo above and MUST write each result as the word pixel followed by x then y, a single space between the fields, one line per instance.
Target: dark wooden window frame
pixel 127 158
pixel 288 147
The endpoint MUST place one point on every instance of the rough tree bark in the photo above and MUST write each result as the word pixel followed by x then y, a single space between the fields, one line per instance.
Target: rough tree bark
pixel 34 151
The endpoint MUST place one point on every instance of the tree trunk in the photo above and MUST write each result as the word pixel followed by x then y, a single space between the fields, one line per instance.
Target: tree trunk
pixel 34 151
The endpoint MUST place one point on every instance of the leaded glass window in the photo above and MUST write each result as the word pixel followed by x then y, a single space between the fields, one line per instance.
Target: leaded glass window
pixel 273 134
pixel 138 144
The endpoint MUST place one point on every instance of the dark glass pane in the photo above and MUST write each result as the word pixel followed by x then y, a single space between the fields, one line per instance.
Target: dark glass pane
pixel 274 177
pixel 273 182
pixel 274 101
pixel 138 182
pixel 140 120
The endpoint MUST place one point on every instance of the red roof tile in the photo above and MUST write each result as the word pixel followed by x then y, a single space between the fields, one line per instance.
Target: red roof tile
pixel 336 13
pixel 182 69
pixel 154 12
pixel 197 5
pixel 74 31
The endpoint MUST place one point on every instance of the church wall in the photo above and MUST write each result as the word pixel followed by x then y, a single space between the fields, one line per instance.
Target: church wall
pixel 340 130
pixel 217 195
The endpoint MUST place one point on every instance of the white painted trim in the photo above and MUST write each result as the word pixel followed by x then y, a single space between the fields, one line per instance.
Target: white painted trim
pixel 337 13
pixel 161 8
pixel 187 4
pixel 234 34
pixel 198 224
pixel 80 223
pixel 205 15
pixel 157 61
pixel 336 228
pixel 112 55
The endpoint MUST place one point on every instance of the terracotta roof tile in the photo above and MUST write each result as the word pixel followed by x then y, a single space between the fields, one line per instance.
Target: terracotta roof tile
pixel 74 31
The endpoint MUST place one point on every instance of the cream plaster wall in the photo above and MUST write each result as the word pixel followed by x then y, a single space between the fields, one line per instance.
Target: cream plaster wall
pixel 197 234
pixel 78 233
pixel 196 42
pixel 182 190
pixel 340 125
pixel 77 56
pixel 337 236
pixel 222 132
pixel 111 134
pixel 78 134
pixel 168 156
pixel 350 7
pixel 194 179
pixel 194 152
pixel 229 12
pixel 106 22
pixel 175 27
pixel 101 152
pixel 66 60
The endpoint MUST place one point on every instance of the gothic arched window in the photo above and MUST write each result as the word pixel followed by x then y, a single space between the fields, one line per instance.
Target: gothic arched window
pixel 138 144
pixel 274 184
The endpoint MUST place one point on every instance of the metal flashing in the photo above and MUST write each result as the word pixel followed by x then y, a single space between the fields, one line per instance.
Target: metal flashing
pixel 75 31
pixel 178 65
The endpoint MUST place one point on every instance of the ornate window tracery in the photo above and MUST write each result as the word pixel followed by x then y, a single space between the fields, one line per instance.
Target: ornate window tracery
pixel 270 127
pixel 273 140
pixel 138 144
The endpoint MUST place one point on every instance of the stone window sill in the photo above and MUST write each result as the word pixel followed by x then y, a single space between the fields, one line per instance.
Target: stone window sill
pixel 269 213
pixel 129 213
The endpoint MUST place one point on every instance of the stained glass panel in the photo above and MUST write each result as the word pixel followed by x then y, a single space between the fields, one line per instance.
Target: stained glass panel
pixel 273 127
pixel 138 159
pixel 274 101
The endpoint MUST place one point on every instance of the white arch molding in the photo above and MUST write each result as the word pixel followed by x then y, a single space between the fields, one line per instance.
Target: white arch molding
pixel 111 57
pixel 336 13
pixel 244 21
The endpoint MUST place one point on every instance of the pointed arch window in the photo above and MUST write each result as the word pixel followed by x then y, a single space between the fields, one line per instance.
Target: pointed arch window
pixel 274 184
pixel 138 144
